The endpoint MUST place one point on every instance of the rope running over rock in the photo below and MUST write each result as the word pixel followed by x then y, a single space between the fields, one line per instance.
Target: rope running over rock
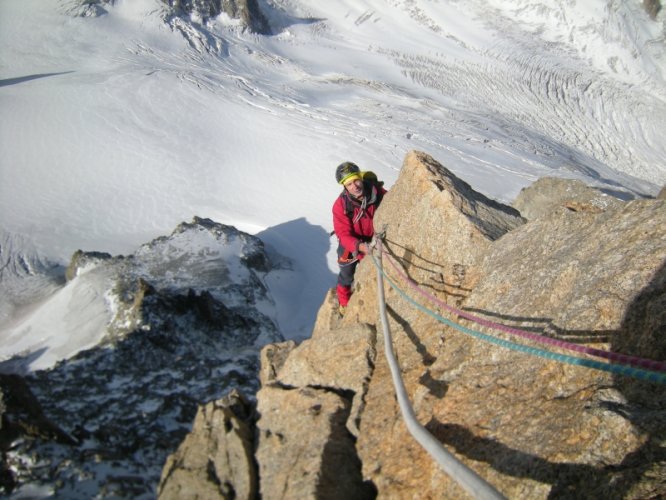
pixel 626 359
pixel 619 369
pixel 463 475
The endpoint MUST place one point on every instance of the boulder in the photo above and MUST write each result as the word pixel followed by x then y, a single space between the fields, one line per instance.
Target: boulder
pixel 304 448
pixel 216 459
pixel 438 227
pixel 548 194
pixel 340 360
pixel 537 428
pixel 520 421
pixel 272 357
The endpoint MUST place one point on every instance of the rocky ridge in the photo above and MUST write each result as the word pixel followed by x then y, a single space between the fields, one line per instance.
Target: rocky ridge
pixel 574 264
pixel 184 326
pixel 246 12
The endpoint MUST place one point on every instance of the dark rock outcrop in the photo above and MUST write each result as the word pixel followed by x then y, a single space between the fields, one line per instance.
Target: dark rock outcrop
pixel 22 418
pixel 86 8
pixel 80 260
pixel 247 11
pixel 584 269
pixel 652 7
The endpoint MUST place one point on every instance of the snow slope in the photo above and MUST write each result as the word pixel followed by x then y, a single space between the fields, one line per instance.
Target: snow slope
pixel 116 128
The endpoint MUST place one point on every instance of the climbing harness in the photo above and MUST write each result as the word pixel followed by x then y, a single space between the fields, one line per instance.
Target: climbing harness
pixel 463 475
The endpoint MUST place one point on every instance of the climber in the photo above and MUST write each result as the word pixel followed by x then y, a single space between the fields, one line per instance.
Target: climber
pixel 353 212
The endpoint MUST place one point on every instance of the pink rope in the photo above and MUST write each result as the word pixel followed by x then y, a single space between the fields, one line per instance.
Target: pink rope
pixel 612 356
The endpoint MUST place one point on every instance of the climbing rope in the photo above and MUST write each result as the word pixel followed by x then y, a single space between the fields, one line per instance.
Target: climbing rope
pixel 463 475
pixel 589 363
pixel 647 364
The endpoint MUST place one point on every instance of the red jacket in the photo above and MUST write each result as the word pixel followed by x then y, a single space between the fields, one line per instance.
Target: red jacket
pixel 356 228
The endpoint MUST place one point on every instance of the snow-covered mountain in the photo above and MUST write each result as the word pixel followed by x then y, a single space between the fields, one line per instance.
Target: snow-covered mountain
pixel 175 324
pixel 122 119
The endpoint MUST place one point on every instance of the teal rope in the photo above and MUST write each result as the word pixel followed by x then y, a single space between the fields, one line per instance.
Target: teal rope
pixel 628 371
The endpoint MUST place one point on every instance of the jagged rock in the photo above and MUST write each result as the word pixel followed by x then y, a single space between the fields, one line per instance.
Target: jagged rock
pixel 252 253
pixel 548 194
pixel 532 427
pixel 348 371
pixel 439 226
pixel 82 261
pixel 304 449
pixel 216 459
pixel 86 8
pixel 272 359
pixel 247 11
pixel 180 326
pixel 652 7
pixel 22 418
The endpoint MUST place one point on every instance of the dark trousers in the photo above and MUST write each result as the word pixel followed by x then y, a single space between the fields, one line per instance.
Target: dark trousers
pixel 346 274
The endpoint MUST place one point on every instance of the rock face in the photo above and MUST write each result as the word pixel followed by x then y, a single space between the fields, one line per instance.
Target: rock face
pixel 576 267
pixel 217 462
pixel 652 7
pixel 548 194
pixel 662 194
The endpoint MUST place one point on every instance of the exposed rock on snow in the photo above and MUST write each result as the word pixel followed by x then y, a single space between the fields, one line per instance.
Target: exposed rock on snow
pixel 532 427
pixel 86 8
pixel 247 11
pixel 652 7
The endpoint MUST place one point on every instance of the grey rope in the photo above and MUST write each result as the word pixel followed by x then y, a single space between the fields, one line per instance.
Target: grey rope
pixel 469 480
